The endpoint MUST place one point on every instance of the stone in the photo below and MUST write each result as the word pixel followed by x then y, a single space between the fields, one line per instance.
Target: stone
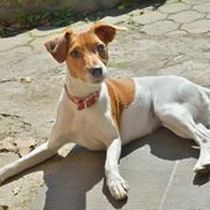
pixel 159 28
pixel 197 27
pixel 205 7
pixel 25 80
pixel 186 16
pixel 25 145
pixel 7 145
pixel 149 17
pixel 16 190
pixel 173 8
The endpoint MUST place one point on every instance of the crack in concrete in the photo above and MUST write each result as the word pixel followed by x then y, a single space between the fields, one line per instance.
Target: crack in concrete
pixel 17 46
pixel 27 44
pixel 8 80
pixel 166 191
pixel 7 115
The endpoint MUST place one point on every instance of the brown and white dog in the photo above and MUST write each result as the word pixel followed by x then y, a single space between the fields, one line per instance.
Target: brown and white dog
pixel 104 114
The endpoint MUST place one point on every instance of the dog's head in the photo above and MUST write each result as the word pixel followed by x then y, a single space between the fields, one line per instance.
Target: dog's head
pixel 85 53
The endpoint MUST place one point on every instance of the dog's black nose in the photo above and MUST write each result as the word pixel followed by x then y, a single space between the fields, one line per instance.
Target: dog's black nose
pixel 96 71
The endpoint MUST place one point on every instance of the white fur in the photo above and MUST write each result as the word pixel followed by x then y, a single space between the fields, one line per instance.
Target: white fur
pixel 169 101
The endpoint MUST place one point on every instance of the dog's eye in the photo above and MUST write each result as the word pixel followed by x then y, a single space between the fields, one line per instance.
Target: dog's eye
pixel 75 54
pixel 100 48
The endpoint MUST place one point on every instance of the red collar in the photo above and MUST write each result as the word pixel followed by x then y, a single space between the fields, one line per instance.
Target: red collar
pixel 84 102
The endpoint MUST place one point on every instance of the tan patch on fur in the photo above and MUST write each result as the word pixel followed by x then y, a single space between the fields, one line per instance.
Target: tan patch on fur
pixel 121 93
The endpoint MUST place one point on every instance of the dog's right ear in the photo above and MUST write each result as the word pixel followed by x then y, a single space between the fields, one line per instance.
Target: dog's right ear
pixel 58 47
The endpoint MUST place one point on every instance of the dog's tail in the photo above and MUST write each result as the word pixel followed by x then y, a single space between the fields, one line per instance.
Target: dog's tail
pixel 205 97
pixel 205 100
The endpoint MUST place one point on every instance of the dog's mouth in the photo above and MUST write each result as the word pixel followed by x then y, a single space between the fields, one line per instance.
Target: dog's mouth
pixel 98 80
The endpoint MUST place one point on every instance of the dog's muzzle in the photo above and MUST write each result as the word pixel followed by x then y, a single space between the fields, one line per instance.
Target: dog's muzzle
pixel 96 72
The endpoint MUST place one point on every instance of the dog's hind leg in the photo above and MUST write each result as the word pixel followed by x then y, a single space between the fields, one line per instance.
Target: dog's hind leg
pixel 179 120
pixel 203 162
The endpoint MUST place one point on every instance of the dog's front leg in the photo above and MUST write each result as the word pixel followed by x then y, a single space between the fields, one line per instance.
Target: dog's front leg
pixel 116 184
pixel 41 153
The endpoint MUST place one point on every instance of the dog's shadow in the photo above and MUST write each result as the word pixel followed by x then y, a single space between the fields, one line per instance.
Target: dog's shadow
pixel 69 179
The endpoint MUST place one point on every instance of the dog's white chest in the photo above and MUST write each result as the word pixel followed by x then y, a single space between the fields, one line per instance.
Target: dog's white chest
pixel 91 131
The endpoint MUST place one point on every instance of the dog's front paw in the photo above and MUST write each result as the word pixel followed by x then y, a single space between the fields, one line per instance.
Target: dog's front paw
pixel 117 187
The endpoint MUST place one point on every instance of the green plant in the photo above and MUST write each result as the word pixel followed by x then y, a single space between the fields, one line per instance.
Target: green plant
pixel 2 32
pixel 26 20
pixel 55 17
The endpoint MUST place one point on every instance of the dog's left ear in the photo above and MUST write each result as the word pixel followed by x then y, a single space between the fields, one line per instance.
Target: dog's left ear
pixel 106 32
pixel 58 47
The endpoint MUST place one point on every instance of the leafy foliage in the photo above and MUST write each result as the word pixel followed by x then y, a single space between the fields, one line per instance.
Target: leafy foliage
pixel 57 18
pixel 26 21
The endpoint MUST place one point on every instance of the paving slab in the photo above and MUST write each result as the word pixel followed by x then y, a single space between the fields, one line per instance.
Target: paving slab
pixel 197 27
pixel 160 27
pixel 149 17
pixel 186 191
pixel 174 8
pixel 158 168
pixel 205 7
pixel 22 40
pixel 186 16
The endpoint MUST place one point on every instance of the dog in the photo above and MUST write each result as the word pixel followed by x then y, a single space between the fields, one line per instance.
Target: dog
pixel 104 114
